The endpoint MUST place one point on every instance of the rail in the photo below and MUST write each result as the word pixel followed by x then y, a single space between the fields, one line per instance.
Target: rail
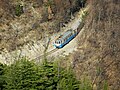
pixel 46 53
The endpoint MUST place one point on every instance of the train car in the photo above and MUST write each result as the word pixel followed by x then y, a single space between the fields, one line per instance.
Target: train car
pixel 62 40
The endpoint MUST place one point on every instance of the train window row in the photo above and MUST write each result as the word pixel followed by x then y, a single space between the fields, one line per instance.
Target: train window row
pixel 62 40
pixel 67 37
pixel 58 41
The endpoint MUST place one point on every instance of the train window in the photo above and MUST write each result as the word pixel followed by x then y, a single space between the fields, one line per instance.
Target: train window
pixel 59 42
pixel 64 40
pixel 70 35
pixel 56 42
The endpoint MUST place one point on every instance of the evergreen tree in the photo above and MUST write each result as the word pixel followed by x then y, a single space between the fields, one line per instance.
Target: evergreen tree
pixel 2 79
pixel 68 81
pixel 22 75
pixel 26 75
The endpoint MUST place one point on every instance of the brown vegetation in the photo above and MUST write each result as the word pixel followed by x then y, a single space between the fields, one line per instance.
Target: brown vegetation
pixel 37 16
pixel 99 58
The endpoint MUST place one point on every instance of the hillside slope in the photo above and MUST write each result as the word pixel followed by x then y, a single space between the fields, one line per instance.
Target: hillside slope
pixel 27 21
pixel 98 58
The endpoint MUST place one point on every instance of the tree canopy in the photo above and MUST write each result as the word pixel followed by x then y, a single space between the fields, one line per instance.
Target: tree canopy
pixel 26 75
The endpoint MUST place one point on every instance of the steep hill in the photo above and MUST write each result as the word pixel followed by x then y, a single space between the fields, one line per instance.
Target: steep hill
pixel 98 57
pixel 26 21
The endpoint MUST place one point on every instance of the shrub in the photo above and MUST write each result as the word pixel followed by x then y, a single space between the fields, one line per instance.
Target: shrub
pixel 2 79
pixel 18 10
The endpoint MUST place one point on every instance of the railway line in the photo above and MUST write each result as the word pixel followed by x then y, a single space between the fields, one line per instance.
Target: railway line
pixel 46 54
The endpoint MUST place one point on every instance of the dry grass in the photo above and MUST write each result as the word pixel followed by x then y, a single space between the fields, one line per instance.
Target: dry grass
pixel 15 31
pixel 101 44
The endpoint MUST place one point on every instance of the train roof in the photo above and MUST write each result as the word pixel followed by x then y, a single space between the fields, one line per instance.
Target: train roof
pixel 68 32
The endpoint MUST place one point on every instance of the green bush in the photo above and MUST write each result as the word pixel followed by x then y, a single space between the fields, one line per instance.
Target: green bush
pixel 2 79
pixel 105 85
pixel 18 10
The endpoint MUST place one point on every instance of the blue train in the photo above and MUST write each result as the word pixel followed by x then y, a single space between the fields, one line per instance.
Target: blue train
pixel 62 40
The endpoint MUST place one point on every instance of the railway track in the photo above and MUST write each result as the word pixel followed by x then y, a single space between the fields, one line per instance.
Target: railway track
pixel 46 54
pixel 52 51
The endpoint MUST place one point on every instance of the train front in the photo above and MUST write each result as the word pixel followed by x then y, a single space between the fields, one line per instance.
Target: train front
pixel 58 43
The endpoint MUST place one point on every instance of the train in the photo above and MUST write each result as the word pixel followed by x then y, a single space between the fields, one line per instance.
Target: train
pixel 62 40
